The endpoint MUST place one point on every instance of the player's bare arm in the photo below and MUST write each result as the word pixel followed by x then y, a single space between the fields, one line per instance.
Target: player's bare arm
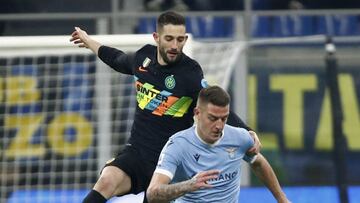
pixel 161 191
pixel 265 173
pixel 83 40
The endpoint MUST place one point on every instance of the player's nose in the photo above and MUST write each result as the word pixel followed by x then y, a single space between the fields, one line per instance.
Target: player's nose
pixel 219 125
pixel 174 45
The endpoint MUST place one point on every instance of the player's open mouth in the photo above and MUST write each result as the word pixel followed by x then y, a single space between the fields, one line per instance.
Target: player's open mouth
pixel 172 54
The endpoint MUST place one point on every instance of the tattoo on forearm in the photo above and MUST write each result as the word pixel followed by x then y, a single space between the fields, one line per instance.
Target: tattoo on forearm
pixel 173 191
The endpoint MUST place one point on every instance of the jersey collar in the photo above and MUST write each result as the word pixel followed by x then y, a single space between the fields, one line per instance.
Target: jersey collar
pixel 202 141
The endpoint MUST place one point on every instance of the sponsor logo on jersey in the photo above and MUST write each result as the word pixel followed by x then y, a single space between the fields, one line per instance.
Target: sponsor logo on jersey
pixel 224 177
pixel 231 151
pixel 170 82
pixel 142 69
pixel 161 102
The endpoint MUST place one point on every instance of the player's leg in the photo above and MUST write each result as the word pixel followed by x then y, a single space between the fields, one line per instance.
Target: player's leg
pixel 112 182
pixel 115 178
pixel 129 173
pixel 140 174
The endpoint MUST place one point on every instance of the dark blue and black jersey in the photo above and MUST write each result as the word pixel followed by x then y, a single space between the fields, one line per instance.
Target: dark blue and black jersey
pixel 166 95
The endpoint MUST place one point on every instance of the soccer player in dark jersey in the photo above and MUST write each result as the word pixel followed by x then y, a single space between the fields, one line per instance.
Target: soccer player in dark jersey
pixel 167 85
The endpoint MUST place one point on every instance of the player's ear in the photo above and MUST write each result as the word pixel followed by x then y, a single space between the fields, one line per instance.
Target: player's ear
pixel 156 37
pixel 196 111
pixel 196 115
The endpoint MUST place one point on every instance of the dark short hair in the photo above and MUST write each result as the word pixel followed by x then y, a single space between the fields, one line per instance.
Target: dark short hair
pixel 214 95
pixel 169 17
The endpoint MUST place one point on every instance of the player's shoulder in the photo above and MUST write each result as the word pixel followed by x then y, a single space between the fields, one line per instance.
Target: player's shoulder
pixel 191 63
pixel 146 52
pixel 235 129
pixel 184 136
pixel 241 133
pixel 147 49
pixel 192 73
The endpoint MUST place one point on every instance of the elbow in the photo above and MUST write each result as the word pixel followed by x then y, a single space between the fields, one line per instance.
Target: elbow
pixel 150 194
pixel 258 163
pixel 153 195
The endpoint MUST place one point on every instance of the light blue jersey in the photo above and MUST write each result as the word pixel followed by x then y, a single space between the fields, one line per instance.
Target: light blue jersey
pixel 185 154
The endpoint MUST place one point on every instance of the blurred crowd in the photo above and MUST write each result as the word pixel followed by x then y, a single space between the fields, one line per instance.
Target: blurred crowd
pixel 80 6
pixel 20 6
pixel 200 5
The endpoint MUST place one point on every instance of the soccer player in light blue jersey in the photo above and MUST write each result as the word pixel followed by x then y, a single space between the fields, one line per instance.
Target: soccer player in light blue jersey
pixel 203 162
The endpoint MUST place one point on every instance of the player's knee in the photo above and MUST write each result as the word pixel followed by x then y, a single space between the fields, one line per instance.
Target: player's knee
pixel 106 185
pixel 113 182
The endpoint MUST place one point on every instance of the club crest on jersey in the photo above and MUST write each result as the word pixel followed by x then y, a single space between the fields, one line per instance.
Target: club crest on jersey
pixel 231 151
pixel 170 82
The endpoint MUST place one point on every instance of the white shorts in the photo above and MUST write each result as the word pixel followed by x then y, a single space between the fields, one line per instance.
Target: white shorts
pixel 128 198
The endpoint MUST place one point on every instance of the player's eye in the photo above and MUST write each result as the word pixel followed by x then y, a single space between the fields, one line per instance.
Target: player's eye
pixel 211 118
pixel 169 38
pixel 180 39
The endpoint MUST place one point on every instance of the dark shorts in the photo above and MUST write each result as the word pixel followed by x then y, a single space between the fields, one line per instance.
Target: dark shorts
pixel 139 170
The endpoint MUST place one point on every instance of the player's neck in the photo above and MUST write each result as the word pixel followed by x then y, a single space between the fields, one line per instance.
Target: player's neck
pixel 161 61
pixel 199 136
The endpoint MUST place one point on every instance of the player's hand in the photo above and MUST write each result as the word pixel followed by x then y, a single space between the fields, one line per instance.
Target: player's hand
pixel 200 180
pixel 80 37
pixel 257 145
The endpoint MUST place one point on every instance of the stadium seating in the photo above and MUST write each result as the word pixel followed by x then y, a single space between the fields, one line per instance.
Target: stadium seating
pixel 266 26
pixel 199 27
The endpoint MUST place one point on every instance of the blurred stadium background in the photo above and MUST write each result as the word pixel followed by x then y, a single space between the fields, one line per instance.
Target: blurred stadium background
pixel 63 114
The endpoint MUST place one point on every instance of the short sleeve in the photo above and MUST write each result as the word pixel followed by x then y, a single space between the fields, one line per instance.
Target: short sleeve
pixel 170 158
pixel 249 142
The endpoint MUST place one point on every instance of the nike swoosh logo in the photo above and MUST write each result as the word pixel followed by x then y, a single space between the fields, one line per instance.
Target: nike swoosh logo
pixel 142 69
